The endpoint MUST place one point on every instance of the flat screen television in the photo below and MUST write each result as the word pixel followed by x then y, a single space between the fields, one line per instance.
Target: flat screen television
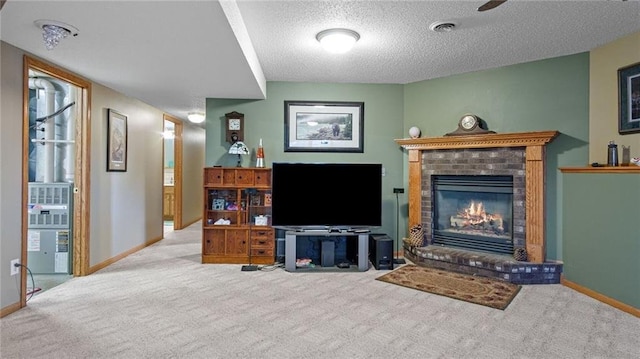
pixel 334 195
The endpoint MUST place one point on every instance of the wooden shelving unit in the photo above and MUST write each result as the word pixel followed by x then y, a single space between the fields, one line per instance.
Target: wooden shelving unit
pixel 237 216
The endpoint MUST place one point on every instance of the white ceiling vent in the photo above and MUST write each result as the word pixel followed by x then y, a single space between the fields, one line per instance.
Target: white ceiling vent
pixel 442 26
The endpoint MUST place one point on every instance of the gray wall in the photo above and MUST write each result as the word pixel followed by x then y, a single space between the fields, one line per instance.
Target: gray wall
pixel 126 207
pixel 10 170
pixel 193 142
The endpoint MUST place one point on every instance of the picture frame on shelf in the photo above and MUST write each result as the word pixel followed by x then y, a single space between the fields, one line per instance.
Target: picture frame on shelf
pixel 321 126
pixel 218 204
pixel 255 200
pixel 116 141
pixel 629 99
pixel 231 206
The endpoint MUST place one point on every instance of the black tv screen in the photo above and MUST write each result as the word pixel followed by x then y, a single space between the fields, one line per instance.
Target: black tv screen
pixel 326 195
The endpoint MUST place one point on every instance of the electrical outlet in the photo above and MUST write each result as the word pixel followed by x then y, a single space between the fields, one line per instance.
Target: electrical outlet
pixel 15 266
pixel 398 190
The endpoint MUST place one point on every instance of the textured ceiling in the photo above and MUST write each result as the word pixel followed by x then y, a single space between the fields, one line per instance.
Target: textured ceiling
pixel 396 45
pixel 174 54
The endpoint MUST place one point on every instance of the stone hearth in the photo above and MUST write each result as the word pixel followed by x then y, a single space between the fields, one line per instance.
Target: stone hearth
pixel 496 266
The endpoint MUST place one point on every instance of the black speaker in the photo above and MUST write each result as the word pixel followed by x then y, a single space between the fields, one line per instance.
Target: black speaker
pixel 381 251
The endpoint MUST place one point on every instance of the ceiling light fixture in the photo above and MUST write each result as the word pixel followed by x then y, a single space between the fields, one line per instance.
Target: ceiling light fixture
pixel 337 41
pixel 196 117
pixel 54 31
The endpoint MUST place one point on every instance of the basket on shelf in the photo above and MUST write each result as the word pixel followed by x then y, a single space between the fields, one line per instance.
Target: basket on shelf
pixel 416 236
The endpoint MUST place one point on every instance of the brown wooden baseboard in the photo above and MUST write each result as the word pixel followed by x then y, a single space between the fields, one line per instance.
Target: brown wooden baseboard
pixel 112 260
pixel 601 297
pixel 185 225
pixel 9 309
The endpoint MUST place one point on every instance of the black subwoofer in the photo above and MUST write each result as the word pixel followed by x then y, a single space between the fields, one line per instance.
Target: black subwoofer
pixel 381 251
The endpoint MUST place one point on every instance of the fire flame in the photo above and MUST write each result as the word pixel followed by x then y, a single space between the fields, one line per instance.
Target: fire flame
pixel 476 214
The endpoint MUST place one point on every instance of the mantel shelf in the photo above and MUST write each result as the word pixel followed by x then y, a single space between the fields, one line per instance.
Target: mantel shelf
pixel 522 139
pixel 619 169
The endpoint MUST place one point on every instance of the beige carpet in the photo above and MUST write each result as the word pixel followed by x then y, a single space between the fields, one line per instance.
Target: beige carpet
pixel 161 302
pixel 479 290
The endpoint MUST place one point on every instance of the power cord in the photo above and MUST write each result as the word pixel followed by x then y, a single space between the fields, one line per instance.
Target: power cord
pixel 33 282
pixel 270 268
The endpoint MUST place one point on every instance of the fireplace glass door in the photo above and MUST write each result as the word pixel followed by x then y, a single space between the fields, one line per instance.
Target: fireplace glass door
pixel 473 212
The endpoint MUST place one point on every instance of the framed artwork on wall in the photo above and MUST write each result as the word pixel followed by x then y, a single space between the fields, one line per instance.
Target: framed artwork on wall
pixel 317 126
pixel 629 97
pixel 116 141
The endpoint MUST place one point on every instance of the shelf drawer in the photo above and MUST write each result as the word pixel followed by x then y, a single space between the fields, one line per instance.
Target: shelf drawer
pixel 244 177
pixel 257 242
pixel 262 252
pixel 262 177
pixel 266 233
pixel 213 176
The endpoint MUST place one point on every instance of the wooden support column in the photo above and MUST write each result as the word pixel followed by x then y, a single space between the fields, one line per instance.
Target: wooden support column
pixel 415 187
pixel 534 204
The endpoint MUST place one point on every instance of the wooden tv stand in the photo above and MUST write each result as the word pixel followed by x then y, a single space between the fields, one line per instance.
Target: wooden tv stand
pixel 290 248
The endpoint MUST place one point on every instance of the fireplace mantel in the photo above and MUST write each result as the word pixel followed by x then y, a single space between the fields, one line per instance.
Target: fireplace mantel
pixel 523 139
pixel 534 144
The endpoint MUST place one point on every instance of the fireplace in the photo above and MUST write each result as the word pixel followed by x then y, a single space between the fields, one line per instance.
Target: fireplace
pixel 473 212
pixel 520 155
pixel 492 199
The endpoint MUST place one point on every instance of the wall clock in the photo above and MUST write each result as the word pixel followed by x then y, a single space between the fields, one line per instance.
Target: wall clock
pixel 234 126
pixel 469 124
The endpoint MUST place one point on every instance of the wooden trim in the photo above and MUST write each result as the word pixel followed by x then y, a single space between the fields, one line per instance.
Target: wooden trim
pixel 601 297
pixel 619 169
pixel 534 204
pixel 192 222
pixel 415 193
pixel 177 170
pixel 81 209
pixel 112 260
pixel 523 139
pixel 25 178
pixel 11 308
pixel 179 177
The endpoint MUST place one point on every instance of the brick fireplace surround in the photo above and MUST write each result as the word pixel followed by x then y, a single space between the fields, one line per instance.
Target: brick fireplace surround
pixel 521 155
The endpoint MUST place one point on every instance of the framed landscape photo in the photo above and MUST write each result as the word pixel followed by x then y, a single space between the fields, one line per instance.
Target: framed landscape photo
pixel 317 126
pixel 629 95
pixel 116 141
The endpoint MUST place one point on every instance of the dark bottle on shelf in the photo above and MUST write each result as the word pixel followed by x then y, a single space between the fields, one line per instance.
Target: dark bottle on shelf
pixel 612 154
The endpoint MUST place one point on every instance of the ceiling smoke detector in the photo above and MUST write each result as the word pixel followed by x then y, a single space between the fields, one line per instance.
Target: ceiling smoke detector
pixel 442 26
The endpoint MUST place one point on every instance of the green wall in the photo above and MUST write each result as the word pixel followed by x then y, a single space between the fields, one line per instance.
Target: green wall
pixel 550 94
pixel 383 122
pixel 543 95
pixel 601 236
